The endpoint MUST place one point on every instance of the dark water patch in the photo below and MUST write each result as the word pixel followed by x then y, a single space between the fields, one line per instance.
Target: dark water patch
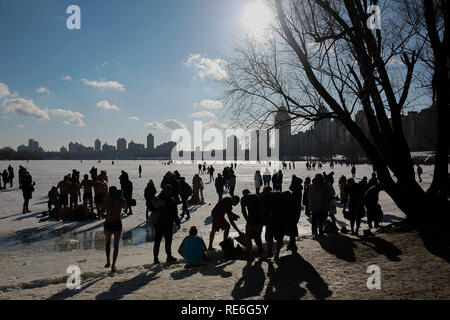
pixel 60 241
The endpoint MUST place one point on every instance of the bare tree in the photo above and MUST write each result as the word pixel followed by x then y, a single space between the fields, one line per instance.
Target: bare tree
pixel 323 61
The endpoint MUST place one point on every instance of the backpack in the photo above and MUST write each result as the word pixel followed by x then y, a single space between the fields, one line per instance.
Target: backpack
pixel 157 207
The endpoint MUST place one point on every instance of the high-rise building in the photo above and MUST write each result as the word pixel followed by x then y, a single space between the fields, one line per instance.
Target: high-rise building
pixel 33 145
pixel 98 145
pixel 121 144
pixel 283 124
pixel 150 142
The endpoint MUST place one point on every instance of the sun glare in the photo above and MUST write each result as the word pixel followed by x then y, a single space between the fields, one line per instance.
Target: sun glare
pixel 256 18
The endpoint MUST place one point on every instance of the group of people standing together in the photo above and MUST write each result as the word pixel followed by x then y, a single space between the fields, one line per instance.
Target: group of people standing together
pixel 26 184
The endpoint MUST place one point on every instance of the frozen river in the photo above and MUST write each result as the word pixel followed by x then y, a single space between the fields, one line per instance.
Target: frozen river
pixel 18 231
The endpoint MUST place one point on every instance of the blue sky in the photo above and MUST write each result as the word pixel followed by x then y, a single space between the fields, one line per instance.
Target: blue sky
pixel 149 60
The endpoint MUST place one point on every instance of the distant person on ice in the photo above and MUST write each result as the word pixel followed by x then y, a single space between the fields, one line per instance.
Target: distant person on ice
pixel 113 224
pixel 140 171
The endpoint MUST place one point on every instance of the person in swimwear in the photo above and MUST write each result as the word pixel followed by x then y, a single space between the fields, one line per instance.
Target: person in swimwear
pixel 113 205
pixel 101 191
pixel 87 192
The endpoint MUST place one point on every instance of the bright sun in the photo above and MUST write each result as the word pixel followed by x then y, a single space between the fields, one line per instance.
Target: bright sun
pixel 256 18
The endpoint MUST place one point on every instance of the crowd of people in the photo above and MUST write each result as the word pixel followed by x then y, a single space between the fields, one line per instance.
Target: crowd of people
pixel 268 207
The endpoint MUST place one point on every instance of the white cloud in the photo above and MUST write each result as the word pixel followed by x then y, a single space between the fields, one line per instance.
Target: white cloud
pixel 203 114
pixel 173 124
pixel 169 124
pixel 209 104
pixel 19 126
pixel 206 67
pixel 133 118
pixel 66 78
pixel 74 115
pixel 155 125
pixel 75 122
pixel 4 90
pixel 215 125
pixel 104 84
pixel 24 107
pixel 65 113
pixel 43 90
pixel 107 106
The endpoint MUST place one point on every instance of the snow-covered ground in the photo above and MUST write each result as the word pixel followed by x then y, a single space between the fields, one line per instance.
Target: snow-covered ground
pixel 35 248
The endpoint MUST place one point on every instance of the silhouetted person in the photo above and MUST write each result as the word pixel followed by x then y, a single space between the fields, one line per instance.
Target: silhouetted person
pixel 319 199
pixel 5 178
pixel 22 171
pixel 355 204
pixel 373 208
pixel 168 216
pixel 74 191
pixel 258 181
pixel 224 206
pixel 140 171
pixel 267 177
pixel 197 184
pixel 185 193
pixel 27 191
pixel 10 175
pixel 149 194
pixel 296 188
pixel 253 212
pixel 114 204
pixel 419 172
pixel 88 197
pixel 353 171
pixel 193 248
pixel 232 184
pixel 64 189
pixel 306 196
pixel 342 194
pixel 127 190
pixel 219 184
pixel 53 200
pixel 101 192
pixel 211 173
pixel 279 211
